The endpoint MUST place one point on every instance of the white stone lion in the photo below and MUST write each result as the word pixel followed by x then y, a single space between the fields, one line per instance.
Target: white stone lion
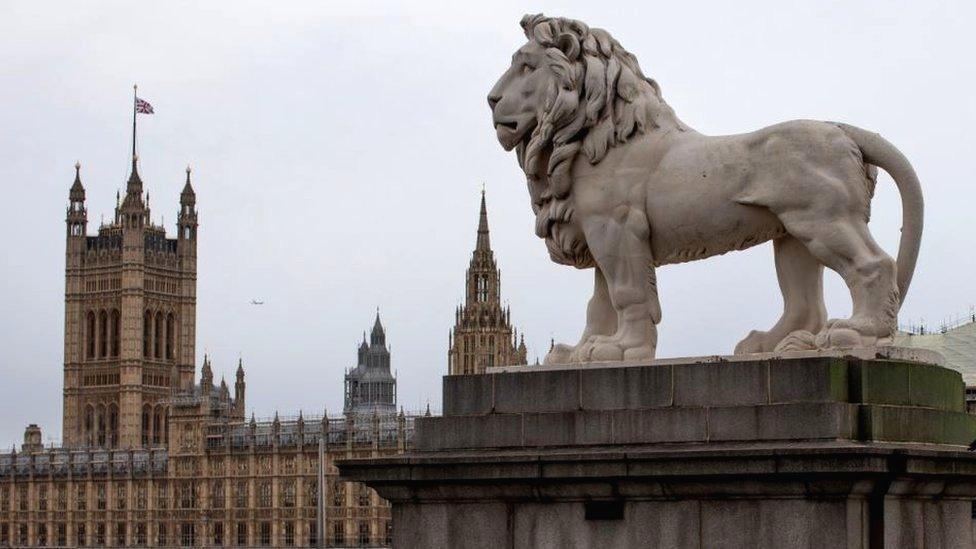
pixel 618 183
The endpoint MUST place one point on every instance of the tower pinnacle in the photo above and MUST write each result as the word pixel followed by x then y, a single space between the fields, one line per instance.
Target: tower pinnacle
pixel 188 196
pixel 483 243
pixel 77 217
pixel 132 202
pixel 378 334
pixel 77 189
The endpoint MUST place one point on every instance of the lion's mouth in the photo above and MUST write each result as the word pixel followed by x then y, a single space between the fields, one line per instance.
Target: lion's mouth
pixel 511 132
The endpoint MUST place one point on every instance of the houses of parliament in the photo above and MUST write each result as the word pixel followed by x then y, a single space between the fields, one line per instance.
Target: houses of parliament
pixel 154 455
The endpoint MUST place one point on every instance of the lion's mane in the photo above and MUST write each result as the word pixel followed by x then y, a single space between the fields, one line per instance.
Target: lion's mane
pixel 598 100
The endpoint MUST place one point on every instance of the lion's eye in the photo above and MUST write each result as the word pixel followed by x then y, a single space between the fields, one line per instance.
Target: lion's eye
pixel 526 68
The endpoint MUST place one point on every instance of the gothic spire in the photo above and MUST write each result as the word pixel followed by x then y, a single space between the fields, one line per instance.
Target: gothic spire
pixel 135 182
pixel 133 201
pixel 187 196
pixel 206 373
pixel 77 189
pixel 483 243
pixel 378 335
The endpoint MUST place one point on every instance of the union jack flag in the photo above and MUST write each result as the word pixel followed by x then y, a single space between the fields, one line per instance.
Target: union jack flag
pixel 143 107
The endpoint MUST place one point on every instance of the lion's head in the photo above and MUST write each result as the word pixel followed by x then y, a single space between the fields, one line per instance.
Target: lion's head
pixel 570 88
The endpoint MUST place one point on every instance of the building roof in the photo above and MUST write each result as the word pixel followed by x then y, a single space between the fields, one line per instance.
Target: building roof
pixel 957 345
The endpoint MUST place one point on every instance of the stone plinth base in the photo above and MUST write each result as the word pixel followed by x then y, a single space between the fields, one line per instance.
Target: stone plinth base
pixel 805 452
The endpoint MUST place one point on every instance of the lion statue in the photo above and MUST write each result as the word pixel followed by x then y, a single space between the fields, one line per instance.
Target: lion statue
pixel 619 184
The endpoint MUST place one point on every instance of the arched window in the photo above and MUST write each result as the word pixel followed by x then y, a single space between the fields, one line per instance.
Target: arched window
pixel 116 332
pixel 157 430
pixel 100 439
pixel 158 343
pixel 170 335
pixel 146 333
pixel 102 334
pixel 113 425
pixel 89 424
pixel 90 335
pixel 146 418
pixel 363 533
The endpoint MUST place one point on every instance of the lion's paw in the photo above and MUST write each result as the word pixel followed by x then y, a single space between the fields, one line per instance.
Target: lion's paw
pixel 560 354
pixel 835 336
pixel 645 352
pixel 604 352
pixel 838 336
pixel 756 342
pixel 585 350
pixel 800 340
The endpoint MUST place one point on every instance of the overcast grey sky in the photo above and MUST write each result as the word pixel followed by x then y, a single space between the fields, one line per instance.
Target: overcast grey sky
pixel 339 150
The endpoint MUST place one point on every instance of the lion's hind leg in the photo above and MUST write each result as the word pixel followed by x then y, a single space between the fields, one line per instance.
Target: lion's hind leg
pixel 844 244
pixel 800 278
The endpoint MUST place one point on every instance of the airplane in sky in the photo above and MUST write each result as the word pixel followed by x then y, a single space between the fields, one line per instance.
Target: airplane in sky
pixel 256 302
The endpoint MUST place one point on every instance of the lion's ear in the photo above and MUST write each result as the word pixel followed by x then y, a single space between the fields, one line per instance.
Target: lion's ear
pixel 569 45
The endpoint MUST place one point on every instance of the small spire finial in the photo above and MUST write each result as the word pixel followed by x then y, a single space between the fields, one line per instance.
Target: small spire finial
pixel 77 165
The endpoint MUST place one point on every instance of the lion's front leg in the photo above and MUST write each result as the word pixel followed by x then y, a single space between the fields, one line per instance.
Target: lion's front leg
pixel 621 247
pixel 601 319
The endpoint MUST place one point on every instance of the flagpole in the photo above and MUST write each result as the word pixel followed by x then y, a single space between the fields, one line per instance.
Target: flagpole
pixel 134 87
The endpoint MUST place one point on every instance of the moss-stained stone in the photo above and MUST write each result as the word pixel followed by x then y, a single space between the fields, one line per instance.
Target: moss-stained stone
pixel 879 382
pixel 959 426
pixel 923 425
pixel 819 379
pixel 936 387
pixel 905 384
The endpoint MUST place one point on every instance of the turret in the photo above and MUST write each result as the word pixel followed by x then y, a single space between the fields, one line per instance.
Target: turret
pixel 77 215
pixel 239 387
pixel 206 375
pixel 187 218
pixel 224 391
pixel 363 348
pixel 32 439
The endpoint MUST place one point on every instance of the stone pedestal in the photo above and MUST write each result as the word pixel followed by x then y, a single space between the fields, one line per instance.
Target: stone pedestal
pixel 810 451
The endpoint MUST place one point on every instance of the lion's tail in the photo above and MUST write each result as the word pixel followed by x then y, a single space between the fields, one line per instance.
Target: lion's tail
pixel 878 151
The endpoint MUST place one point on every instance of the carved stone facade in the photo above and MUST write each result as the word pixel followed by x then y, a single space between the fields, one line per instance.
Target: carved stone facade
pixel 150 457
pixel 214 484
pixel 129 322
pixel 483 335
